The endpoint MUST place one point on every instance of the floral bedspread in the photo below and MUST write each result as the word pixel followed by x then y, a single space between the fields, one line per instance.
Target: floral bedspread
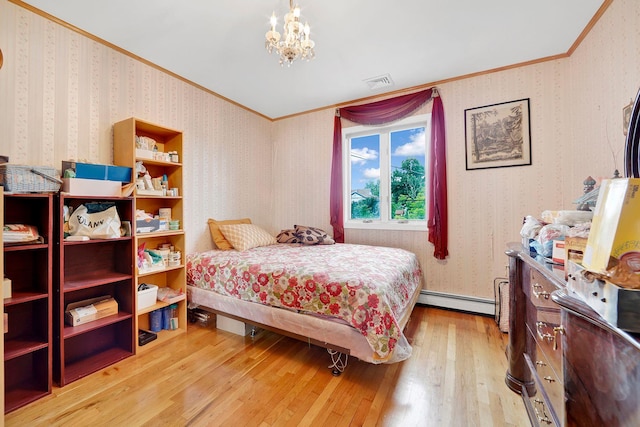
pixel 366 286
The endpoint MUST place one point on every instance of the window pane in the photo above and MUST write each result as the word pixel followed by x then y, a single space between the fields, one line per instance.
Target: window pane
pixel 365 177
pixel 408 148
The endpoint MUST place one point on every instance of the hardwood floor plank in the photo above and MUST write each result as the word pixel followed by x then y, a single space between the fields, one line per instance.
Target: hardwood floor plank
pixel 383 393
pixel 207 377
pixel 322 405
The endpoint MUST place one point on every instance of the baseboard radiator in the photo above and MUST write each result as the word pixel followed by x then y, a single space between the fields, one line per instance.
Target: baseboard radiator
pixel 458 302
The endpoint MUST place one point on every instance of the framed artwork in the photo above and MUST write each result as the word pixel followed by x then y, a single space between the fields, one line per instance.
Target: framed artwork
pixel 498 135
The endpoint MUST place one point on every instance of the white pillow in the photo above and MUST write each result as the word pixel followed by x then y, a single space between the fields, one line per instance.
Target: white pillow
pixel 246 236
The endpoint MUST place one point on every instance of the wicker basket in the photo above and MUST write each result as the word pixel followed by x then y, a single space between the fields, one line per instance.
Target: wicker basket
pixel 501 289
pixel 29 179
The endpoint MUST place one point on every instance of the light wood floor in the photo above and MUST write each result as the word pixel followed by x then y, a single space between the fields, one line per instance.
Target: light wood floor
pixel 455 377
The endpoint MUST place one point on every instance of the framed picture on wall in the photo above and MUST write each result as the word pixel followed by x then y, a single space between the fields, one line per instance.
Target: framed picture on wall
pixel 498 135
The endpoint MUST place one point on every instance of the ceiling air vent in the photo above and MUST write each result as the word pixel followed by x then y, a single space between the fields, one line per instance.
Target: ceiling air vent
pixel 379 82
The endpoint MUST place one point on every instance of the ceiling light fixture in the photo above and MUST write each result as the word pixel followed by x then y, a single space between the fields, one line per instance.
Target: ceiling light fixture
pixel 295 42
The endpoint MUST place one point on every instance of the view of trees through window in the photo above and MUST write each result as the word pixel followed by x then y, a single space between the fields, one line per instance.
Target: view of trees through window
pixel 388 172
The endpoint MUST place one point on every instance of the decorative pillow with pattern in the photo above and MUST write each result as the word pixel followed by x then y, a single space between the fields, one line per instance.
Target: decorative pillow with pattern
pixel 312 236
pixel 287 236
pixel 218 237
pixel 246 236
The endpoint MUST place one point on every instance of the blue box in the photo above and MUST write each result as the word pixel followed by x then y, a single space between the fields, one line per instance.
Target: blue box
pixel 98 171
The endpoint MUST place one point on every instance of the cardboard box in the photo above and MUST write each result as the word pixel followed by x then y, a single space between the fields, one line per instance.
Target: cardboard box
pixel 147 225
pixel 147 297
pixel 615 229
pixel 81 312
pixel 574 248
pixel 558 252
pixel 98 171
pixel 91 187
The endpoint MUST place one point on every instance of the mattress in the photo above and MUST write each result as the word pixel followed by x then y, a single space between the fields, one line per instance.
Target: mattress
pixel 325 292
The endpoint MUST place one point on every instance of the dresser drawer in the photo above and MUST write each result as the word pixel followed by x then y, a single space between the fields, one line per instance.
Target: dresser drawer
pixel 541 402
pixel 548 336
pixel 540 289
pixel 550 376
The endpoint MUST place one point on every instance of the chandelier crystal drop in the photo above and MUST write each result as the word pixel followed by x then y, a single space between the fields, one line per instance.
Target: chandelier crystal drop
pixel 294 42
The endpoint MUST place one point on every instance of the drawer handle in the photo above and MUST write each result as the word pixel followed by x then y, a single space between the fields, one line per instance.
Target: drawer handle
pixel 538 294
pixel 547 336
pixel 549 379
pixel 542 418
pixel 557 330
pixel 540 363
pixel 543 335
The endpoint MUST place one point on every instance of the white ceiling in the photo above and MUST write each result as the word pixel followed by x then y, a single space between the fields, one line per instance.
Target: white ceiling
pixel 219 44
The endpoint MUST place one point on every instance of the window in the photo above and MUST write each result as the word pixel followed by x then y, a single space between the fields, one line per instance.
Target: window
pixel 385 175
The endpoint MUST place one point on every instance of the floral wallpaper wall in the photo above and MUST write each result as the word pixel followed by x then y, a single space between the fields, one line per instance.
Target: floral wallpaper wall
pixel 61 92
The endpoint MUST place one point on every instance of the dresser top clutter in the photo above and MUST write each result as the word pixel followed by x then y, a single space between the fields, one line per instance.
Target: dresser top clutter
pixel 574 312
pixel 92 267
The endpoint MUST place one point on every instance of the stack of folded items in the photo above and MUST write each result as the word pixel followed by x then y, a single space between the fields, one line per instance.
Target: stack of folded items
pixel 20 233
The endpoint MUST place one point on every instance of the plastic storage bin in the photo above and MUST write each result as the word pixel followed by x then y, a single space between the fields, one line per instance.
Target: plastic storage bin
pixel 148 296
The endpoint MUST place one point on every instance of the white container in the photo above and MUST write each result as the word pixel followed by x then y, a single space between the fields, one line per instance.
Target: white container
pixel 232 325
pixel 91 187
pixel 6 287
pixel 144 154
pixel 148 297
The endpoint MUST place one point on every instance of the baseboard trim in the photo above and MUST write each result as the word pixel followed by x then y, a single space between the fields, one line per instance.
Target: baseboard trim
pixel 458 302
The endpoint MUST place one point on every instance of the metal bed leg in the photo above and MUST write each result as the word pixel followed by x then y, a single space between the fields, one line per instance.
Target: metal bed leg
pixel 338 362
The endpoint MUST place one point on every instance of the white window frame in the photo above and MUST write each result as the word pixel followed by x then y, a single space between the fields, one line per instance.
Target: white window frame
pixel 384 223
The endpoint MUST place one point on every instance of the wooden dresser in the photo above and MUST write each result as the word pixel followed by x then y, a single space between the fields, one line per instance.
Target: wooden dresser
pixel 571 367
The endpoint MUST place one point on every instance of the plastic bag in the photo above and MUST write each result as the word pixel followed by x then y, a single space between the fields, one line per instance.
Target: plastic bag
pixel 544 242
pixel 530 227
pixel 96 225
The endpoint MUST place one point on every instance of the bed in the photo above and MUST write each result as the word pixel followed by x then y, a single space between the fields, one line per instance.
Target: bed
pixel 351 299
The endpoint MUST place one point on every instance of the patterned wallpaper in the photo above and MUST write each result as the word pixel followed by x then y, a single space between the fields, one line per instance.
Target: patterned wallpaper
pixel 61 92
pixel 576 123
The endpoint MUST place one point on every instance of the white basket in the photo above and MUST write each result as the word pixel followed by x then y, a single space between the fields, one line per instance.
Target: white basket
pixel 148 297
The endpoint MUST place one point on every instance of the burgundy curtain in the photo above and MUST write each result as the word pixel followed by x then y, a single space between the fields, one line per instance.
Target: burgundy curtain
pixel 386 111
pixel 438 180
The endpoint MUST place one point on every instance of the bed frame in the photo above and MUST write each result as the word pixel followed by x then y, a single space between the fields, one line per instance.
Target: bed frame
pixel 340 339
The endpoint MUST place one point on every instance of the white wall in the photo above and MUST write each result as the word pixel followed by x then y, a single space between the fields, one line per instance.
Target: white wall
pixel 60 92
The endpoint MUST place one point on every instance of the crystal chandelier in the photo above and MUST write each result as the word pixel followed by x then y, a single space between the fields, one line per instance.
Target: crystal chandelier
pixel 295 42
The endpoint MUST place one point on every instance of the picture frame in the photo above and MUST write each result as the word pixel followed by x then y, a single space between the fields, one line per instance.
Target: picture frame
pixel 498 135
